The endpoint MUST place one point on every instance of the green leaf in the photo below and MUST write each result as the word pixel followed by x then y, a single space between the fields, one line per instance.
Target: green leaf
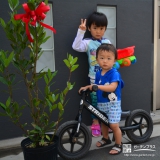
pixel 60 106
pixel 46 1
pixel 65 90
pixel 53 107
pixel 50 105
pixel 48 137
pixel 31 5
pixel 67 63
pixel 52 124
pixel 61 98
pixel 2 23
pixel 40 30
pixel 16 64
pixel 39 55
pixel 39 76
pixel 3 80
pixel 61 113
pixel 41 38
pixel 74 61
pixel 19 37
pixel 54 74
pixel 36 102
pixel 52 98
pixel 36 127
pixel 45 39
pixel 11 37
pixel 25 124
pixel 13 4
pixel 33 132
pixel 10 58
pixel 8 102
pixel 57 95
pixel 48 102
pixel 74 67
pixel 42 142
pixel 70 58
pixel 8 111
pixel 2 106
pixel 69 85
pixel 46 79
pixel 47 90
pixel 49 73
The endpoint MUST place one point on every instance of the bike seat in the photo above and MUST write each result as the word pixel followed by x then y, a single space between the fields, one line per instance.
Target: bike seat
pixel 125 113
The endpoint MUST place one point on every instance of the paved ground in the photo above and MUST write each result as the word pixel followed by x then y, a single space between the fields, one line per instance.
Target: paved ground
pixel 102 154
pixel 10 149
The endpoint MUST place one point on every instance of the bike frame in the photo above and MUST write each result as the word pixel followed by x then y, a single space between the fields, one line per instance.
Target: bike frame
pixel 101 116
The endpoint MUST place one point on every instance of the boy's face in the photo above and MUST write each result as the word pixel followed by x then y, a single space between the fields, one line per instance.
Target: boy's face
pixel 106 60
pixel 97 32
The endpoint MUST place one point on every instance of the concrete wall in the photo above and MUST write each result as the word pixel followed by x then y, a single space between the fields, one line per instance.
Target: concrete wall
pixel 134 27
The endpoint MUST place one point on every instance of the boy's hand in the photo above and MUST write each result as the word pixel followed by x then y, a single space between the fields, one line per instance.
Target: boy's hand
pixel 85 88
pixel 83 25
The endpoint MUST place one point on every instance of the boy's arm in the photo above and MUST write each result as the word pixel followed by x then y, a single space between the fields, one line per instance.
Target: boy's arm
pixel 79 44
pixel 108 88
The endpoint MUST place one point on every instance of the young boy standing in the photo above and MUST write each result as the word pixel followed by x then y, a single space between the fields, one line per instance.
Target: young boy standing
pixel 97 24
pixel 109 83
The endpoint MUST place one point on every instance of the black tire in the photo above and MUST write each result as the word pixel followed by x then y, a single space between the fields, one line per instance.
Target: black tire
pixel 68 149
pixel 143 133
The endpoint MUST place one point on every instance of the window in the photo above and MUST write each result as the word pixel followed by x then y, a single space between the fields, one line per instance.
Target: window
pixel 110 12
pixel 47 59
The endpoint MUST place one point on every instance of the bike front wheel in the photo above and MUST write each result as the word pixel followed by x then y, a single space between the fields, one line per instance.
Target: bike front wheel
pixel 73 147
pixel 144 121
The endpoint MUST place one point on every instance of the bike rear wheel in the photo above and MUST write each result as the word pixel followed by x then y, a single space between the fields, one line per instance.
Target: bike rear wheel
pixel 142 118
pixel 70 147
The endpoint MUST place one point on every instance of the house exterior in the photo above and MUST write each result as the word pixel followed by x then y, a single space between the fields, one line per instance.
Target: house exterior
pixel 134 25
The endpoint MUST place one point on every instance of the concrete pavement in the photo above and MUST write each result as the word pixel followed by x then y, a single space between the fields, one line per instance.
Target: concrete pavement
pixel 132 154
pixel 10 149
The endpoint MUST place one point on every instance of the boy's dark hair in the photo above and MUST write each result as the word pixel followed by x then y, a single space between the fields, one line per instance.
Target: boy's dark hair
pixel 107 47
pixel 97 18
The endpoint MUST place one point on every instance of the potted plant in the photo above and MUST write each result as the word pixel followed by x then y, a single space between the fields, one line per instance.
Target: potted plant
pixel 26 34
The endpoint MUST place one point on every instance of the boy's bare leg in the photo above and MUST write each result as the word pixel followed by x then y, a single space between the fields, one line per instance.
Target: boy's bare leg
pixel 117 134
pixel 95 121
pixel 104 129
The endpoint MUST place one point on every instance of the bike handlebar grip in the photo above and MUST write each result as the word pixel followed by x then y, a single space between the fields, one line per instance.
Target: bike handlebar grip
pixel 94 88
